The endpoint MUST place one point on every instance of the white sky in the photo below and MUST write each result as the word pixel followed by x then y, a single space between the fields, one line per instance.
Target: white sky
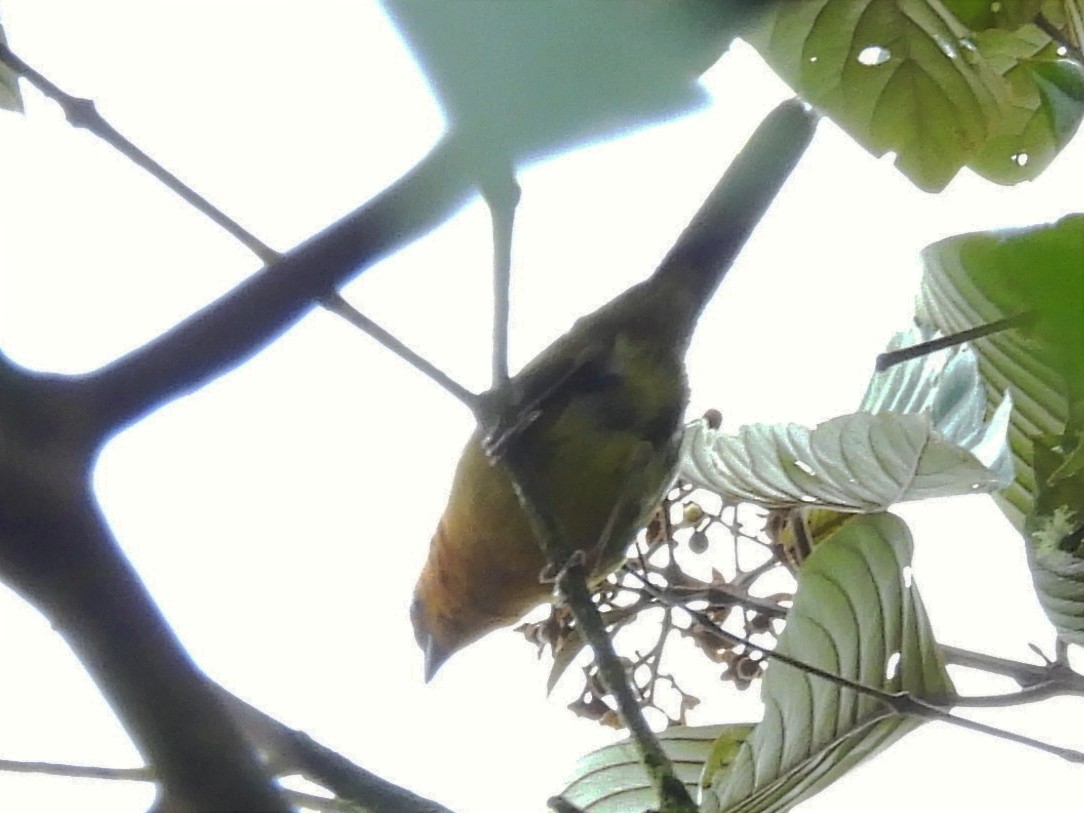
pixel 281 514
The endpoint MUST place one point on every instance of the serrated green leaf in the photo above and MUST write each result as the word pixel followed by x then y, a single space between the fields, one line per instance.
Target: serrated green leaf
pixel 978 278
pixel 1055 534
pixel 612 780
pixel 10 97
pixel 853 612
pixel 858 463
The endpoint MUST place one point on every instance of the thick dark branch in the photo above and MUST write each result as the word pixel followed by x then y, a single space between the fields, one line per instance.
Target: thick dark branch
pixel 234 327
pixel 84 113
pixel 56 551
pixel 291 751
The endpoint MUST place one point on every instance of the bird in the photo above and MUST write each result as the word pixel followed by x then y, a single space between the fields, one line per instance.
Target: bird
pixel 597 416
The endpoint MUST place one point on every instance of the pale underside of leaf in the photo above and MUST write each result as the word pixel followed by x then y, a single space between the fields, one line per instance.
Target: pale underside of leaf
pixel 853 612
pixel 947 385
pixel 858 463
pixel 952 302
pixel 975 278
pixel 612 779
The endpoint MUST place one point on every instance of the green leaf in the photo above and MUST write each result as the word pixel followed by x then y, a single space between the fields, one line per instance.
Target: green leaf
pixel 10 97
pixel 942 83
pixel 612 780
pixel 979 278
pixel 897 75
pixel 855 614
pixel 858 463
pixel 521 79
pixel 979 15
pixel 1046 103
pixel 1055 533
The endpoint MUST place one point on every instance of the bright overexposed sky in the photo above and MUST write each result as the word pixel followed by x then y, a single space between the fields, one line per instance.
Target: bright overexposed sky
pixel 280 515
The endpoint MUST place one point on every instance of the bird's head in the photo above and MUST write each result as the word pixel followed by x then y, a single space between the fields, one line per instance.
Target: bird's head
pixel 444 623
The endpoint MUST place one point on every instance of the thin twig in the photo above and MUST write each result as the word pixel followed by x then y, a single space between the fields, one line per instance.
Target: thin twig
pixel 1052 31
pixel 84 114
pixel 902 703
pixel 78 771
pixel 339 306
pixel 1054 678
pixel 234 327
pixel 572 581
pixel 1025 674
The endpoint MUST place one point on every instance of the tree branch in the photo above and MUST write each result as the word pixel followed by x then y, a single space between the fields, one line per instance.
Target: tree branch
pixel 84 114
pixel 234 327
pixel 902 703
pixel 291 751
pixel 421 200
pixel 56 551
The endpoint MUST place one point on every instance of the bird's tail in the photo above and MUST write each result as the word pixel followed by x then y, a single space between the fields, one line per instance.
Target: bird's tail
pixel 708 246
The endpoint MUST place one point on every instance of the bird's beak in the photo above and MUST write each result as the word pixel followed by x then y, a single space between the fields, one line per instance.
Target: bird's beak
pixel 435 655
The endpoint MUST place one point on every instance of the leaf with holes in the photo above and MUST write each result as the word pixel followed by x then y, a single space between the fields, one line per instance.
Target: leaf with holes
pixel 1046 103
pixel 856 615
pixel 941 83
pixel 612 779
pixel 10 97
pixel 897 75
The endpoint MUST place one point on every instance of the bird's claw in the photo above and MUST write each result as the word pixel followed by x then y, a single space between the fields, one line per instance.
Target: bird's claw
pixel 553 573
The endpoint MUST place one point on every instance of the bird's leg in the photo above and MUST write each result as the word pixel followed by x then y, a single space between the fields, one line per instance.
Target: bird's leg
pixel 553 572
pixel 501 194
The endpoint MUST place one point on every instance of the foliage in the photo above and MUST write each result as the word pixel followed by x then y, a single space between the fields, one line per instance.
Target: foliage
pixel 985 89
pixel 942 84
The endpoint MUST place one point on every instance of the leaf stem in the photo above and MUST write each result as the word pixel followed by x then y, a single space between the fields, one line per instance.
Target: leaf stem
pixel 894 357
pixel 902 703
